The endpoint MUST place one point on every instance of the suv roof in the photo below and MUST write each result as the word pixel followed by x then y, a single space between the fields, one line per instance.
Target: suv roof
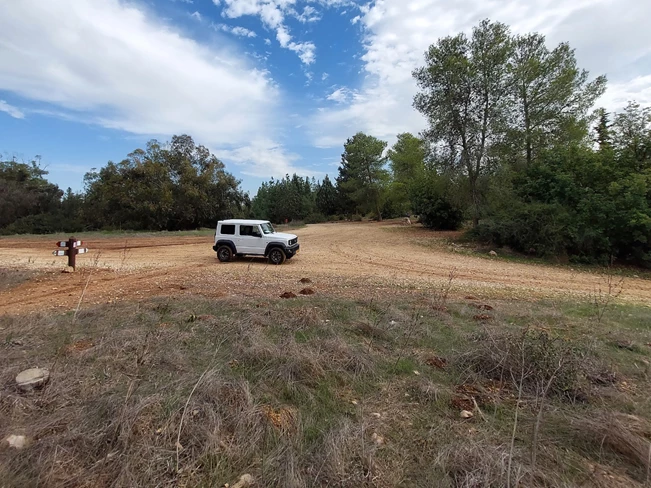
pixel 243 221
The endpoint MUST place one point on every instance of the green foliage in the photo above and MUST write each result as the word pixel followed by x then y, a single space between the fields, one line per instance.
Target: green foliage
pixel 175 187
pixel 464 95
pixel 326 197
pixel 407 161
pixel 286 199
pixel 29 203
pixel 431 202
pixel 579 203
pixel 362 175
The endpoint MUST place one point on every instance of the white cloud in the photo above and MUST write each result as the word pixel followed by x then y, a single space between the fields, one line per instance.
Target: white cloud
pixel 355 19
pixel 196 15
pixel 118 66
pixel 238 31
pixel 341 95
pixel 263 158
pixel 620 93
pixel 309 14
pixel 305 50
pixel 324 76
pixel 267 42
pixel 272 14
pixel 10 110
pixel 609 37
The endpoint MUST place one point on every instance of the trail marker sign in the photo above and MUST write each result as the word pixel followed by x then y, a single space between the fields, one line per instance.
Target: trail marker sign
pixel 73 247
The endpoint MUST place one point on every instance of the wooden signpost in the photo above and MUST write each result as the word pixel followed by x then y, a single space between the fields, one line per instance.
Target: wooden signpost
pixel 73 247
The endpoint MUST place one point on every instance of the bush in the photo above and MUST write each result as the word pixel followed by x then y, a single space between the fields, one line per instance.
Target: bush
pixel 315 218
pixel 440 214
pixel 539 229
pixel 356 218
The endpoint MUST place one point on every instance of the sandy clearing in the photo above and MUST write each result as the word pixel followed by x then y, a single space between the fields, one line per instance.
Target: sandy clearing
pixel 353 259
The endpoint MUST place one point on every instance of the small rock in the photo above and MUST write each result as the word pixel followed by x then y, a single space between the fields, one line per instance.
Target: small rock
pixel 354 402
pixel 68 269
pixel 288 294
pixel 376 415
pixel 307 291
pixel 437 362
pixel 15 342
pixel 244 481
pixel 417 373
pixel 492 253
pixel 305 281
pixel 378 439
pixel 32 378
pixel 482 317
pixel 15 441
pixel 466 414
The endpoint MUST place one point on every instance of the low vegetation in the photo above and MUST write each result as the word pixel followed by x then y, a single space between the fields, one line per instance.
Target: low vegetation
pixel 313 391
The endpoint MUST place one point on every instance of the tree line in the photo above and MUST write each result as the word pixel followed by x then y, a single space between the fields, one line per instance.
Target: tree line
pixel 513 146
pixel 173 186
pixel 514 150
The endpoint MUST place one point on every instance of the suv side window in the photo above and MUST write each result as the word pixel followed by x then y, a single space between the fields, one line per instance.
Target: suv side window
pixel 228 229
pixel 249 230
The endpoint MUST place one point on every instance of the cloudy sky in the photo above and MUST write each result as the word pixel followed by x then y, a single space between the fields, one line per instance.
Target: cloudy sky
pixel 271 86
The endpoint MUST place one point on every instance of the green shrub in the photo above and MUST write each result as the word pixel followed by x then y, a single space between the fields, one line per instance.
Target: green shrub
pixel 315 218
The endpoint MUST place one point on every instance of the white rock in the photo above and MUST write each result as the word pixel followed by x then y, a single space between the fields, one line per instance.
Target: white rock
pixel 378 439
pixel 466 414
pixel 244 481
pixel 492 253
pixel 32 378
pixel 15 441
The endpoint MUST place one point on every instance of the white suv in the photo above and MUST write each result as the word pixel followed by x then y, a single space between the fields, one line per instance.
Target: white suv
pixel 255 238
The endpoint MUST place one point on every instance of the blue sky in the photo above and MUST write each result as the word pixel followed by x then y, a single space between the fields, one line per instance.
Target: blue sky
pixel 270 86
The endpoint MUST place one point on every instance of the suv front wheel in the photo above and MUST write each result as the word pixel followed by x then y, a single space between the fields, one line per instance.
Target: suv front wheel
pixel 277 256
pixel 224 254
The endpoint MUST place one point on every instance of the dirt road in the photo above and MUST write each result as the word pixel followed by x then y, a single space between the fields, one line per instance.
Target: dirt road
pixel 353 259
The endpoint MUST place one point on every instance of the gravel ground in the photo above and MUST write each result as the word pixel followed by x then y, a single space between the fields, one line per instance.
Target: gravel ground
pixel 357 260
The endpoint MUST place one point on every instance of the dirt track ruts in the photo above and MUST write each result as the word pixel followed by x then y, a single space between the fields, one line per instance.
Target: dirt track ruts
pixel 353 259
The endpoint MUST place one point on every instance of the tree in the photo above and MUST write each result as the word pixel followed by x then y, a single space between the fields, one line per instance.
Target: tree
pixel 632 136
pixel 464 90
pixel 26 194
pixel 326 197
pixel 366 177
pixel 173 187
pixel 407 162
pixel 551 95
pixel 603 130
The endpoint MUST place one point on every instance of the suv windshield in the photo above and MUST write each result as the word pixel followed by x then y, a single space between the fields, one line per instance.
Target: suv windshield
pixel 267 228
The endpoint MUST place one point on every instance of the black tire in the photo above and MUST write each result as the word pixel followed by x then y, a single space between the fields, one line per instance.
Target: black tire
pixel 277 256
pixel 224 253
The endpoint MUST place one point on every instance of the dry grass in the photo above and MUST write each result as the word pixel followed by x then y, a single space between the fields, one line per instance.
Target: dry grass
pixel 11 277
pixel 310 393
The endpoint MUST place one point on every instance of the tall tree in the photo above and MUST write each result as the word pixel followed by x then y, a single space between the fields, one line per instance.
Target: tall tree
pixel 363 164
pixel 464 90
pixel 407 162
pixel 326 197
pixel 632 135
pixel 551 94
pixel 603 130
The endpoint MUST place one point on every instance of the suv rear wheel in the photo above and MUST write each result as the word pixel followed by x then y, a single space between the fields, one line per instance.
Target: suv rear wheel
pixel 277 256
pixel 224 254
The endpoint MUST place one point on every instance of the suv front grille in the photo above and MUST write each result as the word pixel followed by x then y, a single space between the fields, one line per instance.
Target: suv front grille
pixel 293 241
